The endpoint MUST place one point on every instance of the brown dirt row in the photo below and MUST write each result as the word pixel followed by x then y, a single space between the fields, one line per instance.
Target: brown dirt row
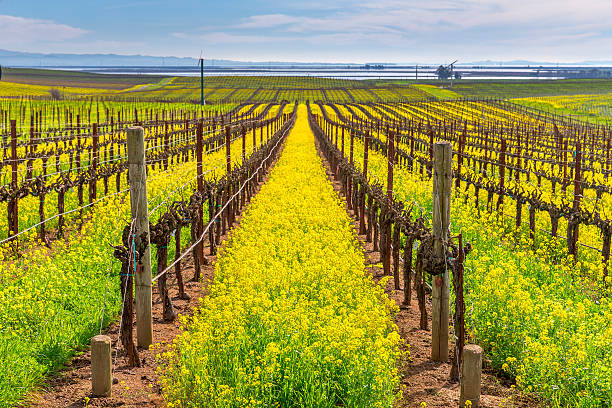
pixel 424 380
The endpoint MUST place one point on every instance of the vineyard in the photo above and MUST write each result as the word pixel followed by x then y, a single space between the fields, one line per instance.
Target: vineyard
pixel 309 202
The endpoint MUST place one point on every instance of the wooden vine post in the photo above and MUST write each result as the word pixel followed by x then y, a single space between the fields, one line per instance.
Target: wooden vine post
pixel 442 175
pixel 243 143
pixel 93 186
pixel 349 193
pixel 362 226
pixel 199 227
pixel 13 212
pixel 254 138
pixel 228 158
pixel 387 249
pixel 343 141
pixel 502 178
pixel 462 139
pixel 140 214
pixel 573 227
pixel 459 321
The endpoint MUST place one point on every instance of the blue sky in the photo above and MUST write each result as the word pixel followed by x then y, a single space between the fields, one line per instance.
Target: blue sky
pixel 315 30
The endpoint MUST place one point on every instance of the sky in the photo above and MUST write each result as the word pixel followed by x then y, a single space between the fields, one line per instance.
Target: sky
pixel 314 30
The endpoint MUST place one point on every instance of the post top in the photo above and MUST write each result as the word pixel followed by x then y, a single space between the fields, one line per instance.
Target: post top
pixel 443 143
pixel 101 338
pixel 473 348
pixel 135 128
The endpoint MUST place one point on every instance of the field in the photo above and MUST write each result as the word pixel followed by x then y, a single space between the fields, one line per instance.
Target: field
pixel 520 89
pixel 325 273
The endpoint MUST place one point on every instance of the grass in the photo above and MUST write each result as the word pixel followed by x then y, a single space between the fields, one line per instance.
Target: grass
pixel 440 93
pixel 75 79
pixel 589 108
pixel 508 89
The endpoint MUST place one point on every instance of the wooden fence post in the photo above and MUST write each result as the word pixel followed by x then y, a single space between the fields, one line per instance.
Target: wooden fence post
pixel 573 227
pixel 442 174
pixel 462 138
pixel 101 367
pixel 390 163
pixel 470 376
pixel 93 186
pixel 362 226
pixel 349 194
pixel 228 158
pixel 243 143
pixel 13 212
pixel 408 269
pixel 254 138
pixel 166 144
pixel 228 153
pixel 199 224
pixel 502 177
pixel 342 141
pixel 459 313
pixel 140 214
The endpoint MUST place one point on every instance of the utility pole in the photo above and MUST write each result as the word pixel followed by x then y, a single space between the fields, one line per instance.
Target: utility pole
pixel 201 81
pixel 452 67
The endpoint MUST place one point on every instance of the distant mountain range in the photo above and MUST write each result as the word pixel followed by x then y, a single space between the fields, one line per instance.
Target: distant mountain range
pixel 27 59
pixel 537 63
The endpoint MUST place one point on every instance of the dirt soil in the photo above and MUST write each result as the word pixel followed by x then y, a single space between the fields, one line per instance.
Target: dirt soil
pixel 426 382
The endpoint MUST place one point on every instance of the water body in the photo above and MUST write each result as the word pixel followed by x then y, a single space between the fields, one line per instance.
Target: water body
pixel 338 72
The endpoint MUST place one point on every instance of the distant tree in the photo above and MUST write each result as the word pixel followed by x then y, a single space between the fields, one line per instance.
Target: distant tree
pixel 457 75
pixel 443 72
pixel 56 94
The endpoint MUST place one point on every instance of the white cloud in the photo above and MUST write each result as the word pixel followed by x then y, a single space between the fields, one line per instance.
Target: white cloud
pixel 470 28
pixel 17 32
pixel 269 20
pixel 227 38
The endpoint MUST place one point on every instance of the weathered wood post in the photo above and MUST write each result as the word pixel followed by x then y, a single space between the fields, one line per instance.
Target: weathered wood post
pixel 243 143
pixel 470 375
pixel 228 152
pixel 462 138
pixel 101 373
pixel 13 212
pixel 349 193
pixel 390 163
pixel 442 174
pixel 140 214
pixel 228 157
pixel 459 313
pixel 362 195
pixel 502 177
pixel 574 227
pixel 343 141
pixel 254 137
pixel 199 224
pixel 93 186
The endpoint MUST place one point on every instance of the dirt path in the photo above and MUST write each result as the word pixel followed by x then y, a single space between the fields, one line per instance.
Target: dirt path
pixel 427 381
